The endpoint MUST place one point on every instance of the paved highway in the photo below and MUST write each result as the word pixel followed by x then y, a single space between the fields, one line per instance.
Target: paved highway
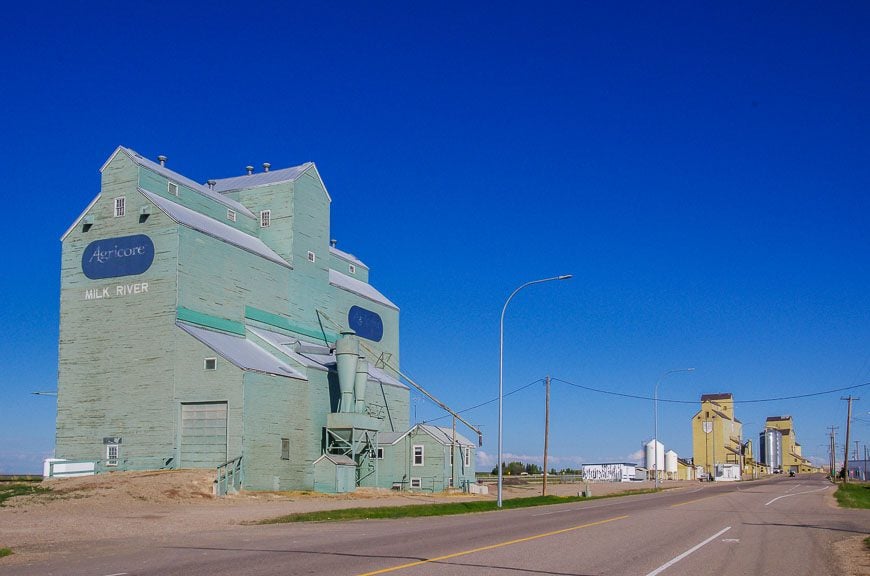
pixel 777 526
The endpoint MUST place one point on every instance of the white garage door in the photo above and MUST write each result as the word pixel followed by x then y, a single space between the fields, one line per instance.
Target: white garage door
pixel 203 435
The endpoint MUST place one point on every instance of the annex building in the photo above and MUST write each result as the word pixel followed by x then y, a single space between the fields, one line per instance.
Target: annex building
pixel 202 324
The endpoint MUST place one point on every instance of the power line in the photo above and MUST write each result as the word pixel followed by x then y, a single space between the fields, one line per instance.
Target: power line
pixel 514 391
pixel 640 397
pixel 756 400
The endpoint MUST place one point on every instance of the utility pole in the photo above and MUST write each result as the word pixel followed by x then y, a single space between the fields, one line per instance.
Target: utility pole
pixel 849 398
pixel 546 433
pixel 856 449
pixel 833 452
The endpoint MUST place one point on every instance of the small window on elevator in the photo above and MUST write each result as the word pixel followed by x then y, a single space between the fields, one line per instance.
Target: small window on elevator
pixel 112 453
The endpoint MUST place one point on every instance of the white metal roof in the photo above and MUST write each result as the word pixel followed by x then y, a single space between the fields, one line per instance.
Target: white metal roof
pixel 241 351
pixel 316 355
pixel 339 459
pixel 358 287
pixel 286 345
pixel 214 228
pixel 261 178
pixel 347 256
pixel 180 179
pixel 441 434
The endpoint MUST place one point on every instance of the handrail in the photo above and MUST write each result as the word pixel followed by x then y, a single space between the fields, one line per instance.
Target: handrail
pixel 229 477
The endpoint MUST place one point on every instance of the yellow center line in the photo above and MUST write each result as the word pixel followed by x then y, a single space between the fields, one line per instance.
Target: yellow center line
pixel 491 547
pixel 696 500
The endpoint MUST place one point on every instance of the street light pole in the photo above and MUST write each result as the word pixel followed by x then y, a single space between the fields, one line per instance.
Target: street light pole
pixel 501 372
pixel 656 418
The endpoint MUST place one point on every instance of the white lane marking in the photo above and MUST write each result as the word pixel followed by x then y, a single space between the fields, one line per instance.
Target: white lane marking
pixel 797 494
pixel 695 490
pixel 730 539
pixel 118 574
pixel 667 565
pixel 793 487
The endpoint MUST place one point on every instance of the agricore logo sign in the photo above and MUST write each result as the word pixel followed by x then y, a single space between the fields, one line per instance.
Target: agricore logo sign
pixel 114 257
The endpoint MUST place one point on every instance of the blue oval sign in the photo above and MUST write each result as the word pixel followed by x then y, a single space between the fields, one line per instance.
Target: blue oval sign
pixel 365 323
pixel 113 257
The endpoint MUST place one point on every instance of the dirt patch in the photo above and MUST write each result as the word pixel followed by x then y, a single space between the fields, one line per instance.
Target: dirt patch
pixel 80 515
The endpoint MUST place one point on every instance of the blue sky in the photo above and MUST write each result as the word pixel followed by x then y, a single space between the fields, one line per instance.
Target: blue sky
pixel 700 169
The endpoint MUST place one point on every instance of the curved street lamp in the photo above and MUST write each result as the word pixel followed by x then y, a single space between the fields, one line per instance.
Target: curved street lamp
pixel 501 371
pixel 656 417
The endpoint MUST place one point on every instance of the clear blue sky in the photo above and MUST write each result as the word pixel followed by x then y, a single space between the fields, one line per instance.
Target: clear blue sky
pixel 702 170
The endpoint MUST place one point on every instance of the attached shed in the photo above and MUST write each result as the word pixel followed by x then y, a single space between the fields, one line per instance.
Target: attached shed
pixel 426 458
pixel 334 474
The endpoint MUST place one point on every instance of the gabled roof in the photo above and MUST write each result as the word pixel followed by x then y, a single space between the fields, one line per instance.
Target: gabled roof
pixel 338 459
pixel 711 397
pixel 359 288
pixel 441 434
pixel 214 228
pixel 722 415
pixel 178 178
pixel 261 178
pixel 247 181
pixel 444 435
pixel 241 352
pixel 347 256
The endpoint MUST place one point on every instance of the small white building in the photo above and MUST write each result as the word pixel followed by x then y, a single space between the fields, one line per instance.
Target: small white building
pixel 609 472
pixel 727 473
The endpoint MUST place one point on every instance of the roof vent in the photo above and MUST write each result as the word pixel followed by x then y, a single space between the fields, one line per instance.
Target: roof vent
pixel 333 242
pixel 250 169
pixel 266 166
pixel 211 184
pixel 162 160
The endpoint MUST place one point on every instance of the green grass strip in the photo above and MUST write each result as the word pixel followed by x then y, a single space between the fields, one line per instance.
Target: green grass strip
pixel 853 495
pixel 438 509
pixel 8 491
pixel 5 552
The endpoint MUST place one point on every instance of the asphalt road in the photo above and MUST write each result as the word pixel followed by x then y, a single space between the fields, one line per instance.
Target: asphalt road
pixel 777 526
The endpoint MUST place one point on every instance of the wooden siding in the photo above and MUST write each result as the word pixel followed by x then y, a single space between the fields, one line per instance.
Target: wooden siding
pixel 276 408
pixel 218 279
pixel 157 183
pixel 112 376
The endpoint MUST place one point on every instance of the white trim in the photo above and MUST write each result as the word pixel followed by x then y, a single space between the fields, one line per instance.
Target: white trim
pixel 322 184
pixel 169 185
pixel 110 460
pixel 119 202
pixel 205 362
pixel 416 482
pixel 422 455
pixel 312 257
pixel 267 219
pixel 229 234
pixel 82 215
pixel 351 268
pixel 379 454
pixel 231 215
pixel 112 157
pixel 466 459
